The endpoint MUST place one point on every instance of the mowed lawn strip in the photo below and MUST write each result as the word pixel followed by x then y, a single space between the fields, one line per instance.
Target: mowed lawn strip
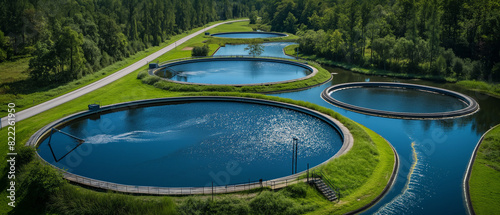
pixel 485 177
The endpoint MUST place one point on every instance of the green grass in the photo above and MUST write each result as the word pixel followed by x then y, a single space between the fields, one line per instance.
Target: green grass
pixel 485 177
pixel 361 174
pixel 370 164
pixel 26 95
pixel 231 27
pixel 481 86
pixel 12 71
pixel 291 49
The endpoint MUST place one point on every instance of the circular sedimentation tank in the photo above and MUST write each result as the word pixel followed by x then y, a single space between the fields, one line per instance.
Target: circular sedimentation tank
pixel 188 142
pixel 400 100
pixel 235 71
pixel 249 35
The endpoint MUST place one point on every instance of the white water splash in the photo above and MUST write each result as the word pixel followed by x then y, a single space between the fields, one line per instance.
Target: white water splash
pixel 200 72
pixel 142 136
pixel 403 203
pixel 134 136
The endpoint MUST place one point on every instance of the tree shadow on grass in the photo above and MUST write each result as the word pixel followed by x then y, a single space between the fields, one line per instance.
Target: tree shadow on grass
pixel 29 86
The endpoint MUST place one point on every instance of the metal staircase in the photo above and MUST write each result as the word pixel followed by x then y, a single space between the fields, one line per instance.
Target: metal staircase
pixel 325 189
pixel 325 186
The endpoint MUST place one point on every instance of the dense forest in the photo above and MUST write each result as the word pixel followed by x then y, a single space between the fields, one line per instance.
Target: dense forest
pixel 67 39
pixel 458 39
pixel 71 38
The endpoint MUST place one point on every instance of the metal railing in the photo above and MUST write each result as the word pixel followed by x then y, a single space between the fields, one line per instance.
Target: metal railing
pixel 327 181
pixel 152 190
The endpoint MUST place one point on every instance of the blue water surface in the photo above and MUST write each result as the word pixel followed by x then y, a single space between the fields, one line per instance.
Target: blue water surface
pixel 273 49
pixel 192 144
pixel 234 72
pixel 398 99
pixel 443 148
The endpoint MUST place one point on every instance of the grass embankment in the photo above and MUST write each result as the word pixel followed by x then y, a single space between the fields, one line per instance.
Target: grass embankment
pixel 322 76
pixel 478 86
pixel 26 94
pixel 482 87
pixel 361 174
pixel 485 177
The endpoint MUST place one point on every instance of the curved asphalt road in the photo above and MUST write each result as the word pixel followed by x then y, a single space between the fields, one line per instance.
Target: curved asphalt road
pixel 103 82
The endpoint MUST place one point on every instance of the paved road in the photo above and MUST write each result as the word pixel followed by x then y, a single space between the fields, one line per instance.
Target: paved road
pixel 21 115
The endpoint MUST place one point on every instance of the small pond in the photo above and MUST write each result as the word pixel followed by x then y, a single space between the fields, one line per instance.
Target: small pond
pixel 234 72
pixel 273 49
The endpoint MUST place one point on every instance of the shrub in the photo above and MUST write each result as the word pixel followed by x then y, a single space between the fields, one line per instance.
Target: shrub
pixel 230 206
pixel 74 201
pixel 142 74
pixel 273 203
pixel 225 206
pixel 200 51
pixel 25 155
pixel 40 181
pixel 192 206
pixel 458 68
pixel 296 191
pixel 151 80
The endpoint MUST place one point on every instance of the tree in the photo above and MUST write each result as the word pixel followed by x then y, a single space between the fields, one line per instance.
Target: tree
pixel 335 43
pixel 434 31
pixel 378 26
pixel 283 10
pixel 365 19
pixel 184 11
pixel 254 49
pixel 458 68
pixel 383 47
pixel 44 62
pixel 289 23
pixel 3 53
pixel 92 53
pixel 114 42
pixel 308 42
pixel 227 10
pixel 315 21
pixel 131 6
pixel 351 30
pixel 452 13
pixel 70 53
pixel 253 17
